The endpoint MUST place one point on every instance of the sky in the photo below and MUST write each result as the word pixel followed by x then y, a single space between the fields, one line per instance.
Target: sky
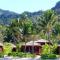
pixel 20 6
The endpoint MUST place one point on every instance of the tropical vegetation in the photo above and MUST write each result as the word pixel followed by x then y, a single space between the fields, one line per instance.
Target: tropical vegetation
pixel 25 28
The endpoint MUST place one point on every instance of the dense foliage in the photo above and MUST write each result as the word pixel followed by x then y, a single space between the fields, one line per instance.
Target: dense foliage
pixel 48 51
pixel 21 30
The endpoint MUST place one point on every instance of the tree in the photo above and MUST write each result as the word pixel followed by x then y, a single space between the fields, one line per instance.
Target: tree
pixel 57 30
pixel 12 33
pixel 25 28
pixel 47 22
pixel 33 36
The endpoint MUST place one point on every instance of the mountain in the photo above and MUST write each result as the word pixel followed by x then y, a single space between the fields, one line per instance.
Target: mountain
pixel 56 8
pixel 33 15
pixel 30 14
pixel 6 16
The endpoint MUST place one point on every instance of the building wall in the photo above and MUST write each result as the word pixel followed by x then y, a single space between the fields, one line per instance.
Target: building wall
pixel 1 48
pixel 37 49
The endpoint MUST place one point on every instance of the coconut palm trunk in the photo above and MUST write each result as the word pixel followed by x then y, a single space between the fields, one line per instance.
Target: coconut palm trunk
pixel 33 46
pixel 49 33
pixel 34 38
pixel 25 44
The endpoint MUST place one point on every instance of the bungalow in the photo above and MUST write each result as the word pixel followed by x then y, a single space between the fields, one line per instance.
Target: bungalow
pixel 13 47
pixel 30 46
pixel 1 47
pixel 36 45
pixel 43 41
pixel 57 51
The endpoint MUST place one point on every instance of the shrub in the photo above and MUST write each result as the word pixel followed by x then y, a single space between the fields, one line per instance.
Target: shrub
pixel 1 54
pixel 30 55
pixel 46 49
pixel 13 54
pixel 20 54
pixel 54 48
pixel 52 56
pixel 44 56
pixel 48 56
pixel 9 54
pixel 7 48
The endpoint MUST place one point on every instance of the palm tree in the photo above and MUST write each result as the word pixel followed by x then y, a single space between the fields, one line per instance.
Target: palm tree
pixel 47 22
pixel 12 33
pixel 25 26
pixel 50 25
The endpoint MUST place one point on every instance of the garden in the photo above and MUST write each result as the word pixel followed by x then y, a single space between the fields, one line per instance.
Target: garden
pixel 48 52
pixel 25 30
